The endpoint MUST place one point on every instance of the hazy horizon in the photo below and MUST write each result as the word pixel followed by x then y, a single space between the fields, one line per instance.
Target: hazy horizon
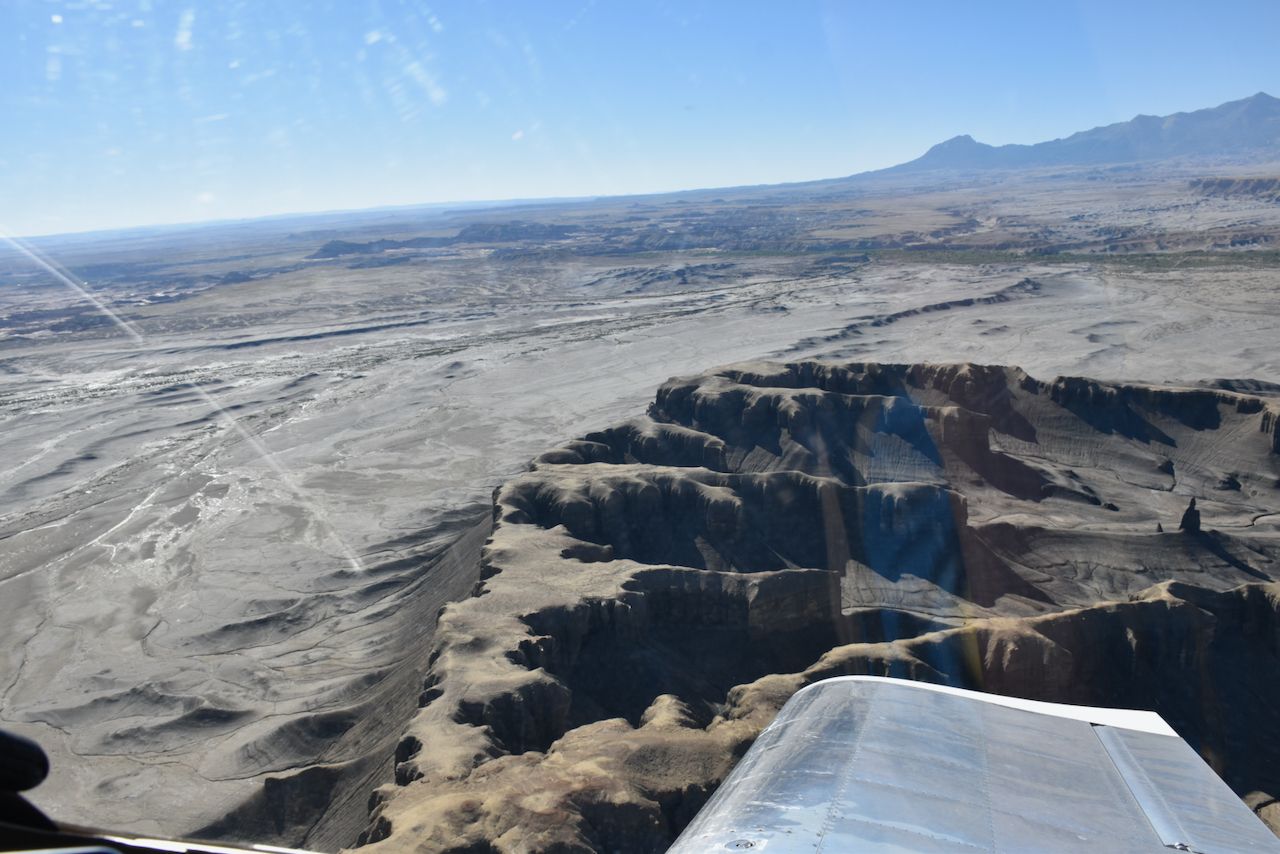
pixel 136 117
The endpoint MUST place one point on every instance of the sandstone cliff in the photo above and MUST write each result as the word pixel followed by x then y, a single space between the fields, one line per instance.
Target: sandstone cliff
pixel 652 593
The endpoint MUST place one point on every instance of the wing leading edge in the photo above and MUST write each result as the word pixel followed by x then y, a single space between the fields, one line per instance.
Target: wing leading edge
pixel 865 764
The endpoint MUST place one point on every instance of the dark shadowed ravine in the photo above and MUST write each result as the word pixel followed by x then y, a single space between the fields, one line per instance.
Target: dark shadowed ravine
pixel 653 592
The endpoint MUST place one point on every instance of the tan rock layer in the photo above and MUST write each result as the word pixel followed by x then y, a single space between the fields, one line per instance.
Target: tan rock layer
pixel 652 593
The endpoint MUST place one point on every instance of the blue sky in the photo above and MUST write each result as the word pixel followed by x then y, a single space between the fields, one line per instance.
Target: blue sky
pixel 128 112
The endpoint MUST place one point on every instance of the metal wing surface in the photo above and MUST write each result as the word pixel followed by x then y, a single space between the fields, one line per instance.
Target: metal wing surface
pixel 868 764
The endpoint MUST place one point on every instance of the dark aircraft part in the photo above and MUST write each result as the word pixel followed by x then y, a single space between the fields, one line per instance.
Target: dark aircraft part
pixel 23 828
pixel 23 764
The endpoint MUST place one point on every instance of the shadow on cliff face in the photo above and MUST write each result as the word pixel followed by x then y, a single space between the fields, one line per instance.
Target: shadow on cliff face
pixel 845 431
pixel 1208 662
pixel 653 592
pixel 751 523
pixel 690 634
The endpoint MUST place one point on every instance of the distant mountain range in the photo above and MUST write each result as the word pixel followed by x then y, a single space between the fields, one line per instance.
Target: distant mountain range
pixel 1248 127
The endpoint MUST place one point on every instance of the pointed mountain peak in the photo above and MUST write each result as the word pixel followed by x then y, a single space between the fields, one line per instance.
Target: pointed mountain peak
pixel 957 146
pixel 1249 127
pixel 959 152
pixel 958 142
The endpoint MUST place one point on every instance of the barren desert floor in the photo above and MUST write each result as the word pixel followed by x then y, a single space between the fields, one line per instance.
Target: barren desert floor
pixel 224 545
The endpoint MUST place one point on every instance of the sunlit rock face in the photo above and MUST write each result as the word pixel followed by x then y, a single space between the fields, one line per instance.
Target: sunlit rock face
pixel 652 593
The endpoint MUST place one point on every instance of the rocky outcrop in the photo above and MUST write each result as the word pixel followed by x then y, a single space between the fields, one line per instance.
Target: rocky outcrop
pixel 652 593
pixel 1190 519
pixel 1264 188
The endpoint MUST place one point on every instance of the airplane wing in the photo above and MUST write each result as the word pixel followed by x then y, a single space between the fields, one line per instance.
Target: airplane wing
pixel 871 764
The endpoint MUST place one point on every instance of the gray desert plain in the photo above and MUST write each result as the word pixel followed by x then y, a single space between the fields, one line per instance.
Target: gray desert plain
pixel 440 528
